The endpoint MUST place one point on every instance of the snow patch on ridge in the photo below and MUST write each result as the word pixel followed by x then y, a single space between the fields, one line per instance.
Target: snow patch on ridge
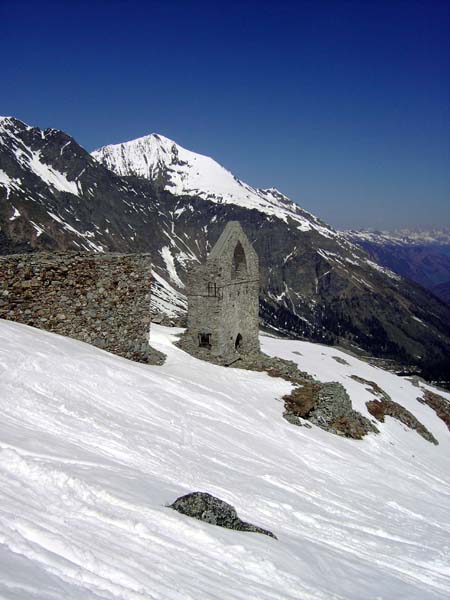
pixel 32 160
pixel 170 264
pixel 15 214
pixel 8 182
pixel 87 243
pixel 165 299
pixel 48 174
pixel 384 270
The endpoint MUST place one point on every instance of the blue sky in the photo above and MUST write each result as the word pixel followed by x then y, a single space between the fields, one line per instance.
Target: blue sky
pixel 342 105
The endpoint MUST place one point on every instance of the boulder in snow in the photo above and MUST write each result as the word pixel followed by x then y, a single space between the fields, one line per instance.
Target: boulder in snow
pixel 206 507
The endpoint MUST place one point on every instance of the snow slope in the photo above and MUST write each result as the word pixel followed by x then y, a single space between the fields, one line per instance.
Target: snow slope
pixel 93 447
pixel 187 173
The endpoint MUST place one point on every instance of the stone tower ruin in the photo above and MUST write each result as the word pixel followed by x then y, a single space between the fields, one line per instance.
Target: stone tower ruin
pixel 223 300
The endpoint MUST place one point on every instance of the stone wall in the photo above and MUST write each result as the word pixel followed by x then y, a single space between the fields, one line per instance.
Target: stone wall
pixel 102 299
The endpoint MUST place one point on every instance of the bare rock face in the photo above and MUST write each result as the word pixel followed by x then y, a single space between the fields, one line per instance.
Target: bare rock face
pixel 380 408
pixel 384 406
pixel 208 508
pixel 440 405
pixel 328 406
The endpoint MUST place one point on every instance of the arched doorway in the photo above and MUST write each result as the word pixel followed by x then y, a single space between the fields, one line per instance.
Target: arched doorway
pixel 238 342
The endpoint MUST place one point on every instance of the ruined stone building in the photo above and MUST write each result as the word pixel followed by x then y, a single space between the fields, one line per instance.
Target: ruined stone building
pixel 223 300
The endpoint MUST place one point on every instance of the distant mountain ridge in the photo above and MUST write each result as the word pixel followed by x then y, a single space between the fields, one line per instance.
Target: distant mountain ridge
pixel 315 282
pixel 420 255
pixel 435 236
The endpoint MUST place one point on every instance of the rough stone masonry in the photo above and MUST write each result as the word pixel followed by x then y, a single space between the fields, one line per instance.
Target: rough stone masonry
pixel 102 299
pixel 223 300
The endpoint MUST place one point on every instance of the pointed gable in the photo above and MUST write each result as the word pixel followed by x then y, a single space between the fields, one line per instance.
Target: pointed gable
pixel 223 300
pixel 234 250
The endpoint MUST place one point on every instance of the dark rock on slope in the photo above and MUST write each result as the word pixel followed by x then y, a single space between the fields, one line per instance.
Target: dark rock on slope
pixel 384 406
pixel 381 408
pixel 212 510
pixel 438 403
pixel 328 406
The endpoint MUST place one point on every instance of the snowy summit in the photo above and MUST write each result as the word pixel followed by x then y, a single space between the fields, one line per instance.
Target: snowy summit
pixel 186 173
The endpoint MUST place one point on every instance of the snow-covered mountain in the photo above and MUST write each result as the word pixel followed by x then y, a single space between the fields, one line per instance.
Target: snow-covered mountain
pixel 315 283
pixel 55 196
pixel 185 173
pixel 93 449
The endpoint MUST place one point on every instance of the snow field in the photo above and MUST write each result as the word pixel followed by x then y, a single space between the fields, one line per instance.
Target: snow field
pixel 94 447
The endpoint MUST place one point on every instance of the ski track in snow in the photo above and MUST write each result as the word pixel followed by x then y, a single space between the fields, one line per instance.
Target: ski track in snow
pixel 94 447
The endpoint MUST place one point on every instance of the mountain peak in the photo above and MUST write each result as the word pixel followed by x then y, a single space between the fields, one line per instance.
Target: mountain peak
pixel 149 138
pixel 142 157
pixel 186 173
pixel 8 122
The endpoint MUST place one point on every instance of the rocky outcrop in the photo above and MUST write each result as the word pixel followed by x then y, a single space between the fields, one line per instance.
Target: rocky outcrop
pixel 381 408
pixel 440 405
pixel 384 406
pixel 102 299
pixel 340 360
pixel 328 406
pixel 273 366
pixel 212 510
pixel 373 387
